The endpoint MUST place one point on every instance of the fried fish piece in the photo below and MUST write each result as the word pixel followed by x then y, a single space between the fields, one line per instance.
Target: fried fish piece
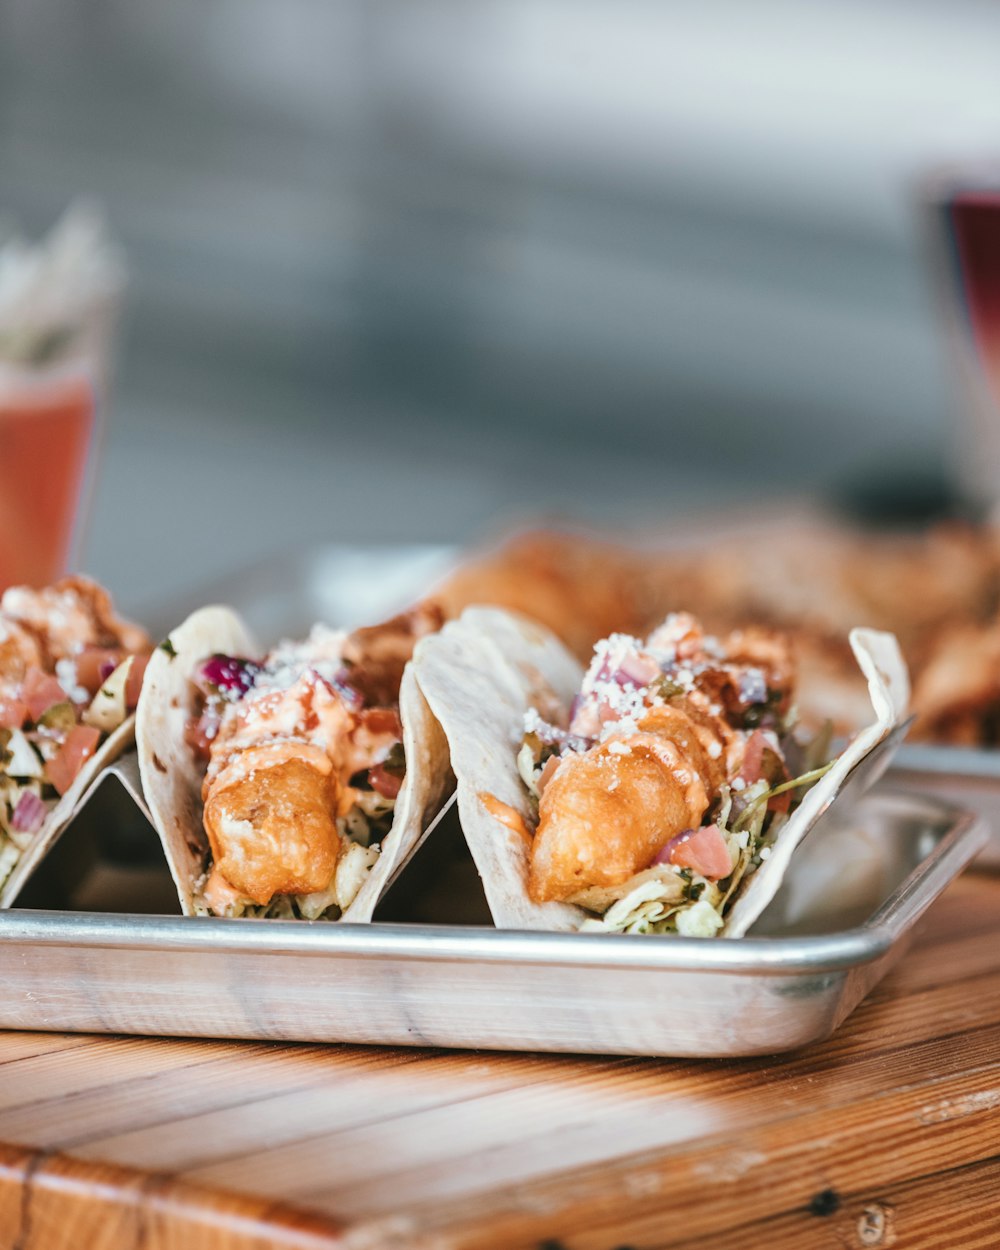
pixel 270 816
pixel 376 655
pixel 19 651
pixel 606 812
pixel 72 613
pixel 583 588
pixel 957 694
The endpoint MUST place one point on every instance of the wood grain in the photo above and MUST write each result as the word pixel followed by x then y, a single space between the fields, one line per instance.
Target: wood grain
pixel 47 1203
pixel 887 1134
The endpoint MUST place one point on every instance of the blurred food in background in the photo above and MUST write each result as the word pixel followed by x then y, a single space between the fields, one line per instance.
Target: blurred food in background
pixel 58 300
pixel 435 262
pixel 937 590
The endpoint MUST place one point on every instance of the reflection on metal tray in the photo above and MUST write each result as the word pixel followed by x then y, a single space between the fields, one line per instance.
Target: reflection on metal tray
pixel 966 775
pixel 832 933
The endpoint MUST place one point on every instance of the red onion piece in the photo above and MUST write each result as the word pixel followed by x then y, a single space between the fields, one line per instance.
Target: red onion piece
pixel 230 676
pixel 29 814
pixel 385 783
pixel 753 687
pixel 340 685
pixel 639 670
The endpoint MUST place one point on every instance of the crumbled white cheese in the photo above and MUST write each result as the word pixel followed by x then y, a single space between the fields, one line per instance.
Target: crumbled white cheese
pixel 699 920
pixel 67 678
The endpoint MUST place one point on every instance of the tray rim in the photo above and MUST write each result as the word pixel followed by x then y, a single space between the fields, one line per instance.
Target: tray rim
pixel 966 833
pixel 939 760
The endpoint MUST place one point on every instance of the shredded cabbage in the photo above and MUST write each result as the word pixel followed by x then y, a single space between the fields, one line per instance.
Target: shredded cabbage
pixel 369 817
pixel 670 899
pixel 9 855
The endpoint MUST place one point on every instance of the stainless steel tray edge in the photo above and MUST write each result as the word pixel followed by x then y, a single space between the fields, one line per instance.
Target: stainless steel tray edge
pixel 969 776
pixel 407 985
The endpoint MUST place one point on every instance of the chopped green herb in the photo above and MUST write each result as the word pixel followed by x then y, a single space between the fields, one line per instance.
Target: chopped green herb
pixel 167 646
pixel 667 688
pixel 59 718
pixel 758 711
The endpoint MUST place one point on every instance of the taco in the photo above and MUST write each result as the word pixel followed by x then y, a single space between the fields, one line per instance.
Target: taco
pixel 291 784
pixel 70 674
pixel 660 792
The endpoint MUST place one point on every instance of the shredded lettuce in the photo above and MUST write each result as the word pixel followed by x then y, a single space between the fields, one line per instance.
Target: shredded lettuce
pixel 108 709
pixel 670 899
pixel 9 855
pixel 369 818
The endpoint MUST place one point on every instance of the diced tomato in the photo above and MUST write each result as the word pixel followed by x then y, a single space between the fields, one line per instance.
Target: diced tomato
pixel 547 773
pixel 753 757
pixel 13 713
pixel 81 743
pixel 134 684
pixel 385 783
pixel 705 851
pixel 382 720
pixel 94 665
pixel 199 733
pixel 41 691
pixel 780 802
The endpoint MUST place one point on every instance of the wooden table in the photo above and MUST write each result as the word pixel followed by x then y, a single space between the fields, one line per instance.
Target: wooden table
pixel 889 1134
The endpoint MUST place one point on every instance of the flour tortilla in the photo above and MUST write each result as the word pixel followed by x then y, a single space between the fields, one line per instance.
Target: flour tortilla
pixel 64 809
pixel 482 673
pixel 882 663
pixel 479 675
pixel 172 777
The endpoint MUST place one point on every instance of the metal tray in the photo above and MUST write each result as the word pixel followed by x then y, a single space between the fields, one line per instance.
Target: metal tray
pixel 841 921
pixel 966 775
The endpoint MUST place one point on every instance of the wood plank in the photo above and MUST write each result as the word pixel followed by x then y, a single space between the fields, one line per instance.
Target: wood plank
pixel 54 1203
pixel 487 1151
pixel 624 1109
pixel 750 1176
pixel 958 1208
pixel 214 1076
pixel 20 1046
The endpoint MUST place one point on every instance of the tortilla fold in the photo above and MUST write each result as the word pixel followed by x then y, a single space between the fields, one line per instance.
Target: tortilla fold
pixel 172 777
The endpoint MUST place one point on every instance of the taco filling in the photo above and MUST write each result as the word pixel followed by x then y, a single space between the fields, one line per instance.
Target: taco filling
pixel 674 773
pixel 70 675
pixel 304 761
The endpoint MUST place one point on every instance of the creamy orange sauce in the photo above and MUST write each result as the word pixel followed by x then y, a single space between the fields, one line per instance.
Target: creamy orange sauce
pixel 506 814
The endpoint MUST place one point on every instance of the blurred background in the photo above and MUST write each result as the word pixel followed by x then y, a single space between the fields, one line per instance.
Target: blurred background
pixel 400 268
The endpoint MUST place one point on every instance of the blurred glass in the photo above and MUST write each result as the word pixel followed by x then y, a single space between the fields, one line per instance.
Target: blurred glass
pixel 967 210
pixel 58 303
pixel 975 218
pixel 46 429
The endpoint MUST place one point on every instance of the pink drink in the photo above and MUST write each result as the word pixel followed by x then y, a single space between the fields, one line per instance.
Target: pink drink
pixel 45 436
